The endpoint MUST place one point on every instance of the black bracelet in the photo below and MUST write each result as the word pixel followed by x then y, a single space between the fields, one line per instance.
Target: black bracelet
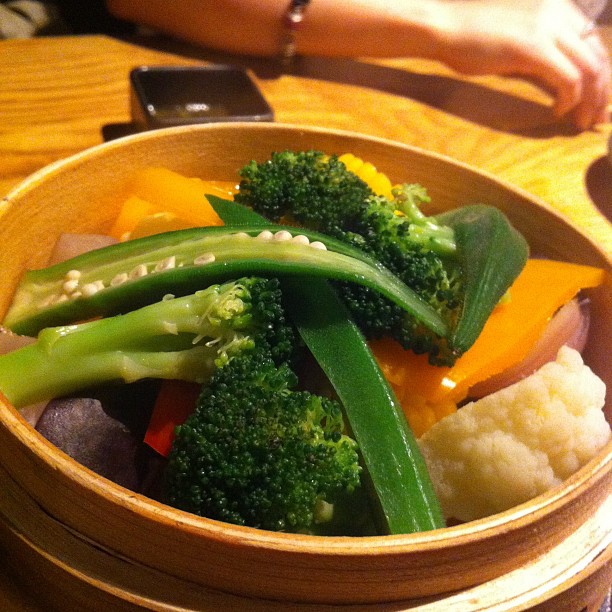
pixel 292 22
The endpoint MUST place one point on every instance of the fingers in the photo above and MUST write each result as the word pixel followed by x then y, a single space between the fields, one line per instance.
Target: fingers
pixel 563 77
pixel 593 108
pixel 544 40
pixel 585 90
pixel 567 54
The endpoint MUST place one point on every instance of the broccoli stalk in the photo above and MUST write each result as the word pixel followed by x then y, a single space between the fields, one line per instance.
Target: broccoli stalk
pixel 257 452
pixel 422 230
pixel 183 338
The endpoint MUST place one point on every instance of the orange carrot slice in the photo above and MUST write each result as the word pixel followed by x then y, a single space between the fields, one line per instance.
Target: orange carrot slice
pixel 511 331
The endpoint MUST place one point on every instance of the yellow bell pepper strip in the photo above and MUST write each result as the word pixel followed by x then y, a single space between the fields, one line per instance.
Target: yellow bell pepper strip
pixel 428 392
pixel 157 223
pixel 133 210
pixel 153 190
pixel 391 455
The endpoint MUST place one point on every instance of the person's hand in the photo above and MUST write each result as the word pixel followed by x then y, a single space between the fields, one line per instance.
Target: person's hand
pixel 546 40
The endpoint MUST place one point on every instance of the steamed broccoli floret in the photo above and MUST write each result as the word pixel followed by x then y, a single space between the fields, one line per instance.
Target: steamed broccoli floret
pixel 320 193
pixel 315 190
pixel 185 338
pixel 422 254
pixel 257 452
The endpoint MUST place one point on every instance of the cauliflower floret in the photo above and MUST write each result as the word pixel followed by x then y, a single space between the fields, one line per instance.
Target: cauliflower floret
pixel 512 445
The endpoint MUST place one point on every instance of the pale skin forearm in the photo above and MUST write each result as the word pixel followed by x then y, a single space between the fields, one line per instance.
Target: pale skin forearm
pixel 539 39
pixel 376 28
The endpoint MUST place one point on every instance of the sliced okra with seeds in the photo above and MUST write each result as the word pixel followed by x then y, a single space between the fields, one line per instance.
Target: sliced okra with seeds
pixel 128 275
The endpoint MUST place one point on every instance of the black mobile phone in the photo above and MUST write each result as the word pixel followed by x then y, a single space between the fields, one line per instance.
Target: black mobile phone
pixel 163 96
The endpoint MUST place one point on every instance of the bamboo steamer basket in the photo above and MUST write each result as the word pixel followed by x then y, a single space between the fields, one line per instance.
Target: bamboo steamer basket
pixel 95 545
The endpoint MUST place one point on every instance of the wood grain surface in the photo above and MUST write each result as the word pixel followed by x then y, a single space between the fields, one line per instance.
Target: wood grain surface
pixel 59 96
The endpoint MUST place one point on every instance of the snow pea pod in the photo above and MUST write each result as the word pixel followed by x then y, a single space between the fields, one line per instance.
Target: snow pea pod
pixel 129 275
pixel 394 463
pixel 492 254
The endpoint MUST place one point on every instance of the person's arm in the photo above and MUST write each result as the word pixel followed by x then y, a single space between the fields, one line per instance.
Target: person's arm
pixel 538 39
pixel 377 28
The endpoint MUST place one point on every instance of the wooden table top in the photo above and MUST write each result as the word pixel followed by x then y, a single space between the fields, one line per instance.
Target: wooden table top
pixel 58 93
pixel 59 96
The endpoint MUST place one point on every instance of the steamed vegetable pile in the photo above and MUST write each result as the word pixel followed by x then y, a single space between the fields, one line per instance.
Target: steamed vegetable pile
pixel 321 322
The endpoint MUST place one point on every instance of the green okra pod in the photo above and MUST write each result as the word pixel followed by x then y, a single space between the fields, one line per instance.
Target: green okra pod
pixel 131 274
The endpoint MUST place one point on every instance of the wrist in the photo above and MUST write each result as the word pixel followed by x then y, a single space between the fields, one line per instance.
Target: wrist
pixel 428 28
